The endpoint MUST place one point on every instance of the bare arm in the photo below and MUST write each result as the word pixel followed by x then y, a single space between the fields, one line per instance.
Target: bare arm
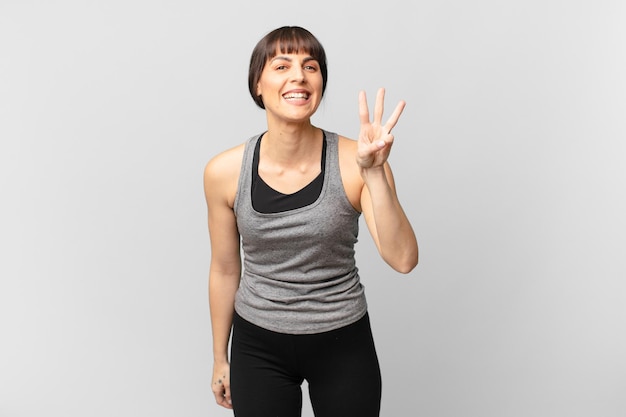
pixel 384 216
pixel 225 269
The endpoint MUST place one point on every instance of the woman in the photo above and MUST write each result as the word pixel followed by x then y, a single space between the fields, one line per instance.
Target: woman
pixel 292 197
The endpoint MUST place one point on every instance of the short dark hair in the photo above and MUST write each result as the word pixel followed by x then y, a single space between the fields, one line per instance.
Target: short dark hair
pixel 286 39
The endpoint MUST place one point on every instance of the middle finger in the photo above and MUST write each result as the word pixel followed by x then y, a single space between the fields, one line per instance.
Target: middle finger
pixel 379 107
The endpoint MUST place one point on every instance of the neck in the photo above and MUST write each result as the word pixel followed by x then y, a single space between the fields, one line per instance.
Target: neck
pixel 291 144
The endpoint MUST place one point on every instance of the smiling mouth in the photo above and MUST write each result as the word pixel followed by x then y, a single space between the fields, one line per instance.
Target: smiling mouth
pixel 296 96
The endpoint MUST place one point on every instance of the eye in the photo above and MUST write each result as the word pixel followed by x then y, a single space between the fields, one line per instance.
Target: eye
pixel 310 67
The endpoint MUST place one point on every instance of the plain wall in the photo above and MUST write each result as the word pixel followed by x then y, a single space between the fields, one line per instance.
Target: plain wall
pixel 509 161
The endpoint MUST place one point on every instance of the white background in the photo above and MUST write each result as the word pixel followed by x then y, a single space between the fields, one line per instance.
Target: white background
pixel 508 158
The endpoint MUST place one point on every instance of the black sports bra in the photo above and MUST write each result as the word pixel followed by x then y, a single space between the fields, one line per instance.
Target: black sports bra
pixel 265 199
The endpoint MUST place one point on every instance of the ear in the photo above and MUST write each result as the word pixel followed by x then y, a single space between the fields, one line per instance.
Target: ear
pixel 258 89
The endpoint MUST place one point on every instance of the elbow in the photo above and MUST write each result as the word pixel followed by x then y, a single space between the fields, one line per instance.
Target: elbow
pixel 406 267
pixel 406 264
pixel 402 258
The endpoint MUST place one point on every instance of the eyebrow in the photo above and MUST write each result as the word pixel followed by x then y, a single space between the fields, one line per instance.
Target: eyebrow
pixel 286 58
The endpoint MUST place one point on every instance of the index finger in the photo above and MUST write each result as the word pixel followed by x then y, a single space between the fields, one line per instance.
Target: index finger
pixel 395 116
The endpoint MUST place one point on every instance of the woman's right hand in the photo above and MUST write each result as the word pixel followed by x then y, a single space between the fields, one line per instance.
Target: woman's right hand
pixel 221 384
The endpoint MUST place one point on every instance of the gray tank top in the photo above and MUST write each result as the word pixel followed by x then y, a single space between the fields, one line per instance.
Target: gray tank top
pixel 299 271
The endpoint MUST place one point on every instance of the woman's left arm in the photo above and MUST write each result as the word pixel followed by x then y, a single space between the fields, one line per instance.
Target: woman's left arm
pixel 388 224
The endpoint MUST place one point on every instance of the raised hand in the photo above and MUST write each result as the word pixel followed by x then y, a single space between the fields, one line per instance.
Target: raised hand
pixel 375 139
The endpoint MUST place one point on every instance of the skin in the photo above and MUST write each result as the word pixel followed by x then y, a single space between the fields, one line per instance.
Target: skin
pixel 291 88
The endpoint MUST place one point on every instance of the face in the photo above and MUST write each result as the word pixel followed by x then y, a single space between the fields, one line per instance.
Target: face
pixel 291 86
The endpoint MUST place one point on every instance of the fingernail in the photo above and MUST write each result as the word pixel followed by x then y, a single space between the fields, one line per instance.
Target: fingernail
pixel 381 143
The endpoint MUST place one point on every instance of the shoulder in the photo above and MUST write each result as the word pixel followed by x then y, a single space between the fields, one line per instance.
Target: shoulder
pixel 350 173
pixel 347 153
pixel 346 142
pixel 221 173
pixel 225 164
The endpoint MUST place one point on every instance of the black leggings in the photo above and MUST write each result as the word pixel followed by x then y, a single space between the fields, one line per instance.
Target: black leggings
pixel 340 366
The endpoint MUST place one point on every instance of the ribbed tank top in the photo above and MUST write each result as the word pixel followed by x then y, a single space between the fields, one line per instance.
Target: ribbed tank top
pixel 299 271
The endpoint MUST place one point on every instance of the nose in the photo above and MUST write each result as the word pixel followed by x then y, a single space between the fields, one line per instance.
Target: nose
pixel 297 74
